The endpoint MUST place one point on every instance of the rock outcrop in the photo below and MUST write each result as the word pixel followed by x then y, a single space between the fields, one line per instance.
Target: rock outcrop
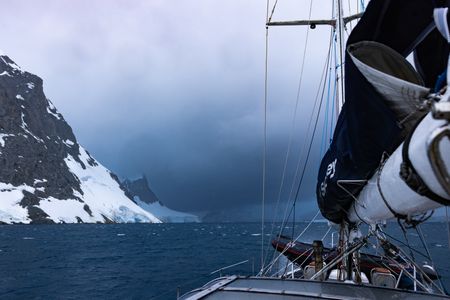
pixel 142 195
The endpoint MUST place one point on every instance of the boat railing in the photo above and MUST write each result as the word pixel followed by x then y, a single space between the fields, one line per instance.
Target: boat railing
pixel 228 267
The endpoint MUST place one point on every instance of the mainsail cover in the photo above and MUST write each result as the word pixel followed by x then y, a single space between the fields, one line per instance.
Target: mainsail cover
pixel 370 124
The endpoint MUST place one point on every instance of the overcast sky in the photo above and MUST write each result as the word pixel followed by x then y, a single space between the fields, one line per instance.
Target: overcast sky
pixel 174 89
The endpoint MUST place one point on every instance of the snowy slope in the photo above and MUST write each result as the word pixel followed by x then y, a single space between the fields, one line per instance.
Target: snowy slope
pixel 102 199
pixel 101 193
pixel 166 214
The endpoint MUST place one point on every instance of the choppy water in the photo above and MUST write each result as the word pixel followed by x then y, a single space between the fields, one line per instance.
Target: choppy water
pixel 142 261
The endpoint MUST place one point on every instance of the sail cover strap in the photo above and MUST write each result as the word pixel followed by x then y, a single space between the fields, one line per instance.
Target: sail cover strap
pixel 395 213
pixel 410 176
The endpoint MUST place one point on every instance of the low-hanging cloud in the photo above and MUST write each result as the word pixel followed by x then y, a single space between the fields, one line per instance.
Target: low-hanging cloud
pixel 172 89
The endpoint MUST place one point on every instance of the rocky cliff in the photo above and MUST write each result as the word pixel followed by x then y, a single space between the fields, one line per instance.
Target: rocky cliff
pixel 45 176
pixel 140 187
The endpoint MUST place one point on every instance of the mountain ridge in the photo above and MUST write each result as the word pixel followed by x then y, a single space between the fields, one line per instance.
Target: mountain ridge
pixel 45 175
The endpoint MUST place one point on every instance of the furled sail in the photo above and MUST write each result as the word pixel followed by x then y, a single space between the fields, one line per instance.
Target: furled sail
pixel 383 96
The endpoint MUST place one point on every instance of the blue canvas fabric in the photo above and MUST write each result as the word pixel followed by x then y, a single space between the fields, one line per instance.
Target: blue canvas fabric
pixel 366 127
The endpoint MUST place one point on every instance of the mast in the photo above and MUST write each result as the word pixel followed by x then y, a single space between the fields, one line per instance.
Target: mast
pixel 344 232
pixel 338 23
pixel 339 28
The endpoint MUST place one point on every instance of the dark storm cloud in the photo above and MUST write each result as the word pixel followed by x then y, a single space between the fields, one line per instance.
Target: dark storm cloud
pixel 173 89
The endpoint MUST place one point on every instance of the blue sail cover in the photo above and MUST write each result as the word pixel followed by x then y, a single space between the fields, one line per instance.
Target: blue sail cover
pixel 367 127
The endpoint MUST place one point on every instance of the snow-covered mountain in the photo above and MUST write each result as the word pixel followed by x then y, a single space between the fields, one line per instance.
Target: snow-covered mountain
pixel 45 176
pixel 141 193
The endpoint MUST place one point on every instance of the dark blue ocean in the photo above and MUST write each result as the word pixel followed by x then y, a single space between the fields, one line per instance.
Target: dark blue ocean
pixel 144 261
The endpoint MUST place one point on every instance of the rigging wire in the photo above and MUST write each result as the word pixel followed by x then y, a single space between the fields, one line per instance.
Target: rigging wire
pixel 286 216
pixel 322 81
pixel 297 101
pixel 273 10
pixel 325 140
pixel 295 240
pixel 341 50
pixel 363 5
pixel 265 137
pixel 404 244
pixel 311 253
pixel 424 245
pixel 406 239
pixel 309 149
pixel 333 101
pixel 412 261
pixel 350 13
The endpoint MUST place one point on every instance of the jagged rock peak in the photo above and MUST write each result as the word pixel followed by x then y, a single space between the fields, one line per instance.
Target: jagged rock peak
pixel 141 188
pixel 141 193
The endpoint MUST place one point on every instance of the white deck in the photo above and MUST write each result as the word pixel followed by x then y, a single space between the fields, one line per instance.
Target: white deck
pixel 265 288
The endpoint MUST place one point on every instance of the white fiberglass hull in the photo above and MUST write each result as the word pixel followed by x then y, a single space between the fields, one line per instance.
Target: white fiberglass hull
pixel 370 206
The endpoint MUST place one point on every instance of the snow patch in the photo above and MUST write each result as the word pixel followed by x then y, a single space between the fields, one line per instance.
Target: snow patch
pixel 13 65
pixel 50 104
pixel 5 73
pixel 2 136
pixel 53 114
pixel 30 85
pixel 68 143
pixel 24 126
pixel 51 109
pixel 19 97
pixel 10 209
pixel 64 211
pixel 36 181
